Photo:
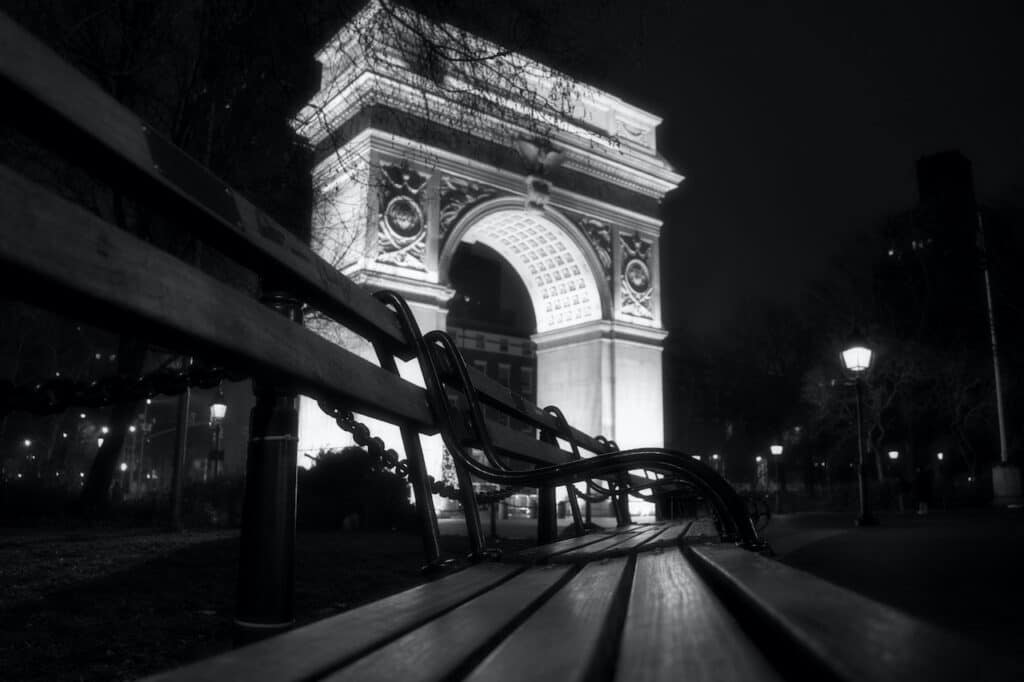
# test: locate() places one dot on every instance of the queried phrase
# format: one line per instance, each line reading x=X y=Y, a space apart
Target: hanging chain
x=60 y=393
x=386 y=459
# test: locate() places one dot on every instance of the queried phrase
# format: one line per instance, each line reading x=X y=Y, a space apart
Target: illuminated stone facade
x=407 y=184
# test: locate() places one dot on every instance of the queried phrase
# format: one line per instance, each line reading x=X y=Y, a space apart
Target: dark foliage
x=345 y=491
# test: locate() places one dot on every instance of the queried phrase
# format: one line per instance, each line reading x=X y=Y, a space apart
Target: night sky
x=798 y=126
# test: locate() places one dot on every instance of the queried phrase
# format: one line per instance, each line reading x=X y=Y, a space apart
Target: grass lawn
x=117 y=605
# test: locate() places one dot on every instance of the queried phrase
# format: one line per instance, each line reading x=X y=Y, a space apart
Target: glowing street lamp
x=218 y=410
x=857 y=360
x=939 y=456
x=776 y=451
x=895 y=455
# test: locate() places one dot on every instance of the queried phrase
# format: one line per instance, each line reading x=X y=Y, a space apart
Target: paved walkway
x=962 y=570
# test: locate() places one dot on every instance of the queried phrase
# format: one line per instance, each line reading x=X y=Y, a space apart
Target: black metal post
x=866 y=518
x=778 y=486
x=178 y=472
x=547 y=518
x=266 y=576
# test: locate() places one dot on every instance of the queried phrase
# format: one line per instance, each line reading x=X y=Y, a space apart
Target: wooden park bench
x=692 y=601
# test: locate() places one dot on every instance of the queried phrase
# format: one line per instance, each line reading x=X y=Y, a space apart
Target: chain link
x=384 y=458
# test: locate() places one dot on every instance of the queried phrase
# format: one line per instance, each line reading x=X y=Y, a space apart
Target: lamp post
x=857 y=359
x=218 y=410
x=776 y=451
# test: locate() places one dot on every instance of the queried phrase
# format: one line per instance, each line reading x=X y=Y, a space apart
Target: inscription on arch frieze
x=637 y=283
x=401 y=226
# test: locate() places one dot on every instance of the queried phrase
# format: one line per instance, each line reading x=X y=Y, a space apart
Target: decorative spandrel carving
x=401 y=228
x=637 y=283
x=458 y=196
x=599 y=235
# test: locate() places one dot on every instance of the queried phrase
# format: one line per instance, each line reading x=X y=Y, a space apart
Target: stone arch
x=562 y=274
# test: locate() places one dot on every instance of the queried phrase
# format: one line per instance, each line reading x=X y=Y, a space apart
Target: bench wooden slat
x=434 y=651
x=677 y=630
x=140 y=287
x=601 y=549
x=323 y=646
x=639 y=542
x=232 y=222
x=849 y=635
x=596 y=549
x=544 y=551
x=570 y=637
x=671 y=535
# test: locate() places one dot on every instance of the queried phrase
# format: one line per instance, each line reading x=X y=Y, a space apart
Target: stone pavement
x=962 y=570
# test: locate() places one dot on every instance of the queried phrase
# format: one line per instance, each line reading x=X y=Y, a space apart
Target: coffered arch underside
x=560 y=276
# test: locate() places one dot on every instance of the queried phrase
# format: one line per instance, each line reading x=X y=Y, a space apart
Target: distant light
x=58 y=474
x=19 y=475
x=104 y=430
x=714 y=456
x=64 y=434
x=939 y=456
x=82 y=416
x=99 y=442
x=149 y=401
x=81 y=474
x=970 y=478
x=857 y=358
x=28 y=443
x=131 y=429
x=775 y=449
x=98 y=356
x=124 y=466
x=894 y=454
x=217 y=411
x=758 y=458
x=147 y=477
x=56 y=374
x=696 y=457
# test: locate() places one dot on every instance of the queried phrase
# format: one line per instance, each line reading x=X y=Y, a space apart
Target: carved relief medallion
x=637 y=284
x=401 y=229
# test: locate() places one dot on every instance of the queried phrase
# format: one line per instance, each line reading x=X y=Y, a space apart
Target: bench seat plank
x=542 y=552
x=569 y=637
x=589 y=552
x=677 y=629
x=670 y=536
x=638 y=543
x=323 y=646
x=614 y=545
x=436 y=650
x=846 y=634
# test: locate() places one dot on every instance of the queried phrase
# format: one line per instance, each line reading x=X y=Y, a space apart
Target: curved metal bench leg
x=475 y=530
x=574 y=505
x=418 y=478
